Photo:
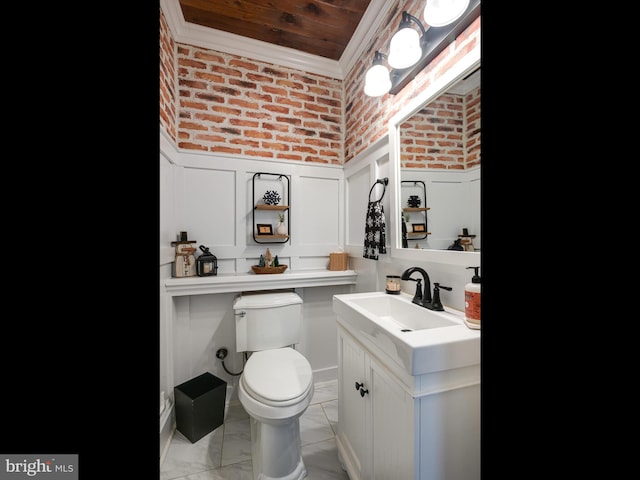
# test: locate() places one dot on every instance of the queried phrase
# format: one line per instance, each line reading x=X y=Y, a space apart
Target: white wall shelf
x=231 y=282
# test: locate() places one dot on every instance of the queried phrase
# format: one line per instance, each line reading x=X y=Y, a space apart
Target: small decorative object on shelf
x=456 y=246
x=207 y=263
x=261 y=270
x=339 y=261
x=407 y=219
x=185 y=262
x=268 y=264
x=264 y=229
x=414 y=201
x=281 y=228
x=271 y=197
x=466 y=240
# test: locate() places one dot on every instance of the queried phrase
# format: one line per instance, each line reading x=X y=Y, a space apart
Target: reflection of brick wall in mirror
x=443 y=135
x=440 y=145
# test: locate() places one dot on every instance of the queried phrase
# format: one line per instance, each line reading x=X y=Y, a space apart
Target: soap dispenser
x=472 y=301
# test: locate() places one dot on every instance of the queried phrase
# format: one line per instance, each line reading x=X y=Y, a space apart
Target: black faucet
x=436 y=304
x=419 y=298
x=425 y=300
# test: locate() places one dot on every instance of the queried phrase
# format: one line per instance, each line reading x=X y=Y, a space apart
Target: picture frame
x=419 y=227
x=264 y=229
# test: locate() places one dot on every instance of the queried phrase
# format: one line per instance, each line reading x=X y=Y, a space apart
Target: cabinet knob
x=360 y=386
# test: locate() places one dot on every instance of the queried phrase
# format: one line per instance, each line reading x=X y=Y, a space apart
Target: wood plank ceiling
x=318 y=27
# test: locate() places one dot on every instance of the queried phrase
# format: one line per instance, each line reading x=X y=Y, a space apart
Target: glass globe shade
x=377 y=81
x=404 y=49
x=438 y=13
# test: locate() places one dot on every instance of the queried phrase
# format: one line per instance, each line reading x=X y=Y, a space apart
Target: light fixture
x=438 y=13
x=409 y=52
x=405 y=49
x=377 y=81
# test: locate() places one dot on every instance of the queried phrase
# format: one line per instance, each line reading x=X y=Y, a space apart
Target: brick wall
x=239 y=106
x=444 y=135
x=167 y=80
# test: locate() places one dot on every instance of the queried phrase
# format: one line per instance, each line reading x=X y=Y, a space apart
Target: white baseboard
x=167 y=427
x=325 y=374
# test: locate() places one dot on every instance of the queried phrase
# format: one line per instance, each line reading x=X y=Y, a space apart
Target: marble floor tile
x=225 y=454
x=184 y=458
x=321 y=460
x=325 y=391
x=235 y=411
x=331 y=411
x=236 y=446
x=314 y=426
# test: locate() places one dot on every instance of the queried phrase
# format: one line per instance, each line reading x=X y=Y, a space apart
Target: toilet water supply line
x=222 y=354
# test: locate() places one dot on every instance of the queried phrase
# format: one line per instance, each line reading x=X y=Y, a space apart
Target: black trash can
x=200 y=405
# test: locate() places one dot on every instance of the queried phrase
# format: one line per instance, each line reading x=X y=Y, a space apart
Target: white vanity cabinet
x=404 y=427
x=375 y=430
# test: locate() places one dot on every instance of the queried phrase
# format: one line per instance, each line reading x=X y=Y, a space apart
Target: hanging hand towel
x=374 y=231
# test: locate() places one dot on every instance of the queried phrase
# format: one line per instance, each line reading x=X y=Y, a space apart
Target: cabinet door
x=393 y=431
x=353 y=444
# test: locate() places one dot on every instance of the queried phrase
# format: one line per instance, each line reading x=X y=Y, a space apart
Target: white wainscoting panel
x=209 y=210
x=317 y=211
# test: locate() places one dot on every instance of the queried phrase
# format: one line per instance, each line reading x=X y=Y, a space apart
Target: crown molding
x=209 y=38
x=367 y=28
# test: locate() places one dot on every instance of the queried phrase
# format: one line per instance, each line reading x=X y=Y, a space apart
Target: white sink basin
x=406 y=316
x=419 y=340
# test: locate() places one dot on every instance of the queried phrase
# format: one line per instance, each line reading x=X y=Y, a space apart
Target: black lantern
x=207 y=263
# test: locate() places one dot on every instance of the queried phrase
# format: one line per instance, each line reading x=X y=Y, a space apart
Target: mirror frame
x=464 y=66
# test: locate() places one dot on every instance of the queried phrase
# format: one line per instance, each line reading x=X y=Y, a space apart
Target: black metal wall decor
x=262 y=232
x=420 y=230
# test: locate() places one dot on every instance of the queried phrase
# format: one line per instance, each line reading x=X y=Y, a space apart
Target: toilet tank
x=267 y=320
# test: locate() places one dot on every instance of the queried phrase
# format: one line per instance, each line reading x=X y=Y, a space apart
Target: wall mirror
x=435 y=172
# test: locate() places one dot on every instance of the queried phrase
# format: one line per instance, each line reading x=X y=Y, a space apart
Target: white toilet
x=276 y=385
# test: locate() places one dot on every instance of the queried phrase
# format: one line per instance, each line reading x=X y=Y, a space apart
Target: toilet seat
x=278 y=377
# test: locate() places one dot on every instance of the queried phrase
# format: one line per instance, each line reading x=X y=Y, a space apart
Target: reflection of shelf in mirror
x=272 y=236
x=415 y=209
x=272 y=207
x=417 y=234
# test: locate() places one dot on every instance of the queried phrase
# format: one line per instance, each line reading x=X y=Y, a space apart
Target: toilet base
x=276 y=451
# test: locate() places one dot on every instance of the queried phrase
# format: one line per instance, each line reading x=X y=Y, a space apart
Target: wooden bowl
x=260 y=270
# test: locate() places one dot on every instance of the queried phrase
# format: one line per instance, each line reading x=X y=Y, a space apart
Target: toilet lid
x=278 y=375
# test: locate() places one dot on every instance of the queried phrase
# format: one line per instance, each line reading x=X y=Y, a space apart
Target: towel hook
x=384 y=181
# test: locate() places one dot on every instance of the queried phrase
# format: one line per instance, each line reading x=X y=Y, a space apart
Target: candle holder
x=393 y=284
